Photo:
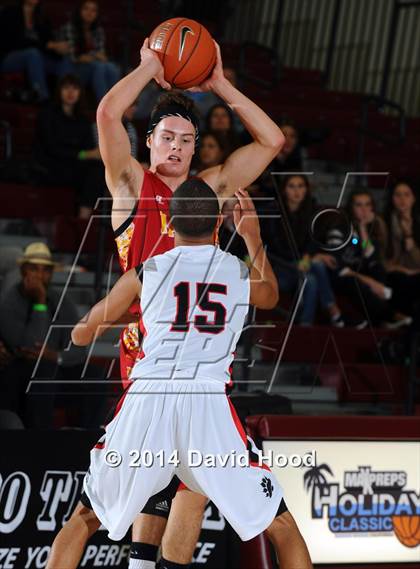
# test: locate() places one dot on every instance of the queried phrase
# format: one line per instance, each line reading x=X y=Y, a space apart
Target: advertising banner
x=354 y=501
x=41 y=477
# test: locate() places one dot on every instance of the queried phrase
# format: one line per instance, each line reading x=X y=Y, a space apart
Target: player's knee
x=148 y=528
x=194 y=502
x=85 y=518
x=197 y=500
x=283 y=528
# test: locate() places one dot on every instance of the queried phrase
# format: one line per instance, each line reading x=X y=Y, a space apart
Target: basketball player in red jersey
x=140 y=213
x=172 y=136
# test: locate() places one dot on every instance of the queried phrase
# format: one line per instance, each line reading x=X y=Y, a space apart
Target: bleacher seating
x=71 y=233
x=347 y=363
x=22 y=201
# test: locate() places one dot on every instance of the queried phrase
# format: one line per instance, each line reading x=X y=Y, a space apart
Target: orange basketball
x=186 y=50
x=407 y=529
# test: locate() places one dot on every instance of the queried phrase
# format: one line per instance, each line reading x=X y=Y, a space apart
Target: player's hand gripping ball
x=186 y=50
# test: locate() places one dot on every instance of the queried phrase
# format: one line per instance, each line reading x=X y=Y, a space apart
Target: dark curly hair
x=71 y=79
x=375 y=228
x=80 y=40
x=220 y=141
x=390 y=208
x=300 y=220
x=194 y=209
x=175 y=97
x=211 y=111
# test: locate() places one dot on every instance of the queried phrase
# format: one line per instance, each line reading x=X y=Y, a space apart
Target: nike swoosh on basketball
x=182 y=37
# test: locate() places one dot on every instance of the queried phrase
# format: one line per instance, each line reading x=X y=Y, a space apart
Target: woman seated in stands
x=204 y=101
x=402 y=216
x=361 y=274
x=64 y=146
x=86 y=38
x=288 y=160
x=293 y=254
x=290 y=157
x=27 y=45
x=212 y=151
x=220 y=119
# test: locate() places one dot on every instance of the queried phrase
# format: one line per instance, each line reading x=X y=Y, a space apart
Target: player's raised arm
x=264 y=287
x=114 y=143
x=108 y=310
x=245 y=164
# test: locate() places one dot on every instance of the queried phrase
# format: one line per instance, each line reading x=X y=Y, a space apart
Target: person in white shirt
x=194 y=301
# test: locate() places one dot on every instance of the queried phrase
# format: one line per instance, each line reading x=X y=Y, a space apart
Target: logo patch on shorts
x=163 y=506
x=267 y=487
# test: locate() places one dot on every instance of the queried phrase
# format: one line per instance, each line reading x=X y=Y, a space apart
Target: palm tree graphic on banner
x=315 y=479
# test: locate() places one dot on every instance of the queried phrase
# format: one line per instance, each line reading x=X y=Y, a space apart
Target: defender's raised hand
x=245 y=216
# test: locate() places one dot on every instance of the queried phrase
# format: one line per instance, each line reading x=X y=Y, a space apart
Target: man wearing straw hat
x=27 y=311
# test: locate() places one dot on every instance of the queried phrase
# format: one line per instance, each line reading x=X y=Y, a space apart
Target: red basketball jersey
x=144 y=234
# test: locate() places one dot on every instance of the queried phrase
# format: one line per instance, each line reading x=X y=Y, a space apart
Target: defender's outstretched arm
x=108 y=310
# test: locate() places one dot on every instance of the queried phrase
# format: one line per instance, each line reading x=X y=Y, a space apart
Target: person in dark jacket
x=38 y=350
x=220 y=119
x=212 y=151
x=65 y=146
x=289 y=159
x=402 y=216
x=294 y=255
x=360 y=273
x=86 y=38
x=27 y=45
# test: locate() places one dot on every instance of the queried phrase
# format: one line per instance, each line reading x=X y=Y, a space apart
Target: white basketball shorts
x=183 y=428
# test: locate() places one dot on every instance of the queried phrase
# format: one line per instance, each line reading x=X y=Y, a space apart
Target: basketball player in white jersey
x=171 y=136
x=194 y=301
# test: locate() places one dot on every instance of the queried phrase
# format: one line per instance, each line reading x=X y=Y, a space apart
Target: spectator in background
x=288 y=160
x=27 y=45
x=360 y=273
x=211 y=153
x=294 y=255
x=65 y=148
x=205 y=100
x=220 y=119
x=86 y=38
x=290 y=157
x=370 y=232
x=26 y=315
x=402 y=217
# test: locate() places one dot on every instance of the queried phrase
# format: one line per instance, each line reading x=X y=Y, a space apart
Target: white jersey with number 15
x=194 y=302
